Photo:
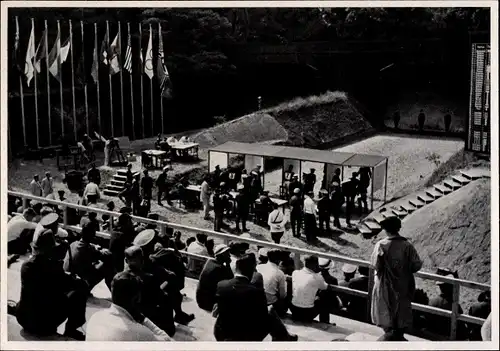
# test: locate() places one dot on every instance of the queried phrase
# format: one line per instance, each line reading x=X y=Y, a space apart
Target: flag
x=148 y=65
x=15 y=55
x=95 y=62
x=58 y=52
x=161 y=68
x=104 y=48
x=40 y=51
x=128 y=53
x=81 y=71
x=29 y=69
x=113 y=54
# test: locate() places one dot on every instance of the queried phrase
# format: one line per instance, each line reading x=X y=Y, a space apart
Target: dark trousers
x=296 y=222
x=336 y=216
x=163 y=316
x=136 y=204
x=349 y=208
x=241 y=217
x=218 y=221
x=276 y=236
x=324 y=218
x=307 y=315
x=362 y=201
x=280 y=307
x=103 y=270
x=92 y=199
x=310 y=226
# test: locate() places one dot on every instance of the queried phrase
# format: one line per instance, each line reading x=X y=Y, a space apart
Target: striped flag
x=161 y=68
x=128 y=53
x=148 y=65
x=29 y=69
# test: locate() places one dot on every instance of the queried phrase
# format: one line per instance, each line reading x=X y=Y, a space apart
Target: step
x=123 y=172
x=110 y=192
x=372 y=225
x=377 y=217
x=119 y=183
x=443 y=189
x=120 y=177
x=388 y=214
x=408 y=207
x=113 y=188
x=461 y=179
x=425 y=198
x=417 y=203
x=399 y=213
x=450 y=183
x=363 y=229
x=474 y=174
x=433 y=193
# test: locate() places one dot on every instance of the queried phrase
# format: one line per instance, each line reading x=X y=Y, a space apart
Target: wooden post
x=373 y=173
x=454 y=311
x=371 y=280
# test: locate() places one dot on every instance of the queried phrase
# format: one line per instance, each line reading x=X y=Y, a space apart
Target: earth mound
x=310 y=122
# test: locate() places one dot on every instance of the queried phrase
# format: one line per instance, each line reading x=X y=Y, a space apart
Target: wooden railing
x=454 y=314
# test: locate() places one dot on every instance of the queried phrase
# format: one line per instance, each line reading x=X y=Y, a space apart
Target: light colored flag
x=104 y=48
x=148 y=65
x=95 y=64
x=114 y=57
x=128 y=53
x=58 y=52
x=40 y=51
x=29 y=68
x=161 y=67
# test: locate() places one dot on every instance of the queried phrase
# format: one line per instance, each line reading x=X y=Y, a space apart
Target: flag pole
x=60 y=77
x=121 y=75
x=110 y=84
x=151 y=86
x=142 y=79
x=131 y=85
x=161 y=92
x=36 y=99
x=72 y=78
x=85 y=85
x=21 y=89
x=98 y=91
x=48 y=79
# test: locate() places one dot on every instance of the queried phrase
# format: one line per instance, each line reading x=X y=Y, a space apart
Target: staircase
x=117 y=183
x=370 y=226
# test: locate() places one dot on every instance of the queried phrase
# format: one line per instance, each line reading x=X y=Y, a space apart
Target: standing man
x=242 y=209
x=421 y=120
x=130 y=175
x=350 y=190
x=94 y=175
x=365 y=176
x=135 y=193
x=336 y=177
x=310 y=216
x=91 y=192
x=219 y=207
x=47 y=185
x=309 y=181
x=147 y=185
x=205 y=198
x=324 y=208
x=336 y=202
x=35 y=186
x=296 y=207
x=161 y=184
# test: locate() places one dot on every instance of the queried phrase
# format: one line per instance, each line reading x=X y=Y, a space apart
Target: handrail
x=457 y=283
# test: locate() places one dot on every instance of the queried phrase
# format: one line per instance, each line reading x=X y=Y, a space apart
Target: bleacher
x=201 y=328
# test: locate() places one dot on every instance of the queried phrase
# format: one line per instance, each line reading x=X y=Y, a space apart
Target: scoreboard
x=478 y=127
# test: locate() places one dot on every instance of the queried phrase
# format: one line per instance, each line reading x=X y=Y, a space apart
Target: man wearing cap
x=121 y=237
x=324 y=208
x=49 y=296
x=357 y=305
x=306 y=302
x=51 y=221
x=294 y=184
x=215 y=270
x=394 y=284
x=147 y=241
x=20 y=231
x=350 y=190
x=325 y=265
x=242 y=209
x=197 y=247
x=161 y=184
x=274 y=282
x=309 y=180
x=87 y=260
x=336 y=202
x=296 y=208
x=310 y=216
x=349 y=272
x=47 y=185
x=36 y=186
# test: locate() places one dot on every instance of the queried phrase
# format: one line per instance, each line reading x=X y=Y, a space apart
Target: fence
x=454 y=314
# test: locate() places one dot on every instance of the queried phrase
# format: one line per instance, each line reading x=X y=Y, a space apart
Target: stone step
x=461 y=179
x=123 y=172
x=417 y=203
x=408 y=207
x=450 y=183
x=110 y=192
x=372 y=225
x=474 y=174
x=114 y=187
x=425 y=198
x=120 y=183
x=120 y=177
x=363 y=229
x=433 y=193
x=378 y=216
x=400 y=214
x=443 y=189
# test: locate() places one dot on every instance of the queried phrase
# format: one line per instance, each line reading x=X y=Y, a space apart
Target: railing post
x=296 y=260
x=25 y=203
x=110 y=226
x=454 y=311
x=371 y=280
x=163 y=230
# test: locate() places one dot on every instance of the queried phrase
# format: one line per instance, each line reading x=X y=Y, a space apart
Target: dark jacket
x=296 y=205
x=172 y=261
x=147 y=186
x=120 y=239
x=161 y=181
x=213 y=272
x=242 y=308
x=324 y=206
x=243 y=204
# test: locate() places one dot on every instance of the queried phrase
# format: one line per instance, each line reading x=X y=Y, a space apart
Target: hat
x=296 y=190
x=44 y=240
x=263 y=252
x=324 y=263
x=49 y=219
x=349 y=268
x=166 y=168
x=391 y=223
x=144 y=238
x=220 y=249
x=254 y=173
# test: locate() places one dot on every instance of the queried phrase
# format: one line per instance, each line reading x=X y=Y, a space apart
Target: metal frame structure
x=340 y=159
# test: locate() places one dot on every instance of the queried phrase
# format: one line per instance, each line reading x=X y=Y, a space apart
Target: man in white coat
x=205 y=198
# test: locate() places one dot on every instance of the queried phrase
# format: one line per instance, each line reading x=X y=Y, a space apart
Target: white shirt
x=205 y=191
x=276 y=221
x=116 y=324
x=61 y=233
x=17 y=225
x=47 y=186
x=35 y=188
x=91 y=189
x=274 y=281
x=305 y=284
x=309 y=206
x=199 y=249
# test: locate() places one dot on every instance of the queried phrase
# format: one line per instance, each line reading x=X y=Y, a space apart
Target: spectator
x=215 y=270
x=195 y=265
x=20 y=231
x=123 y=321
x=276 y=222
x=262 y=256
x=49 y=296
x=395 y=261
x=480 y=309
x=205 y=198
x=90 y=218
x=94 y=175
x=357 y=307
x=88 y=261
x=210 y=244
x=306 y=302
x=242 y=209
x=274 y=282
x=189 y=241
x=310 y=217
x=296 y=208
x=50 y=220
x=121 y=238
x=108 y=222
x=47 y=185
x=178 y=243
x=242 y=313
x=325 y=265
x=36 y=186
x=92 y=193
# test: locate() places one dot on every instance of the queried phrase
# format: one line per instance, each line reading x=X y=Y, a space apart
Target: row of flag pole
x=110 y=54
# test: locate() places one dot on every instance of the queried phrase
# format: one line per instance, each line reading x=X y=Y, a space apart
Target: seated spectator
x=349 y=272
x=190 y=240
x=210 y=245
x=121 y=237
x=87 y=260
x=237 y=250
x=51 y=221
x=37 y=207
x=357 y=307
x=242 y=313
x=306 y=302
x=92 y=193
x=480 y=309
x=274 y=282
x=19 y=206
x=325 y=266
x=287 y=264
x=49 y=296
x=20 y=230
x=262 y=256
x=197 y=247
x=90 y=218
x=215 y=270
x=123 y=320
x=107 y=221
x=178 y=243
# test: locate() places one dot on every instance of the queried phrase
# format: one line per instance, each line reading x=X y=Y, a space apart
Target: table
x=278 y=201
x=157 y=157
x=186 y=149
